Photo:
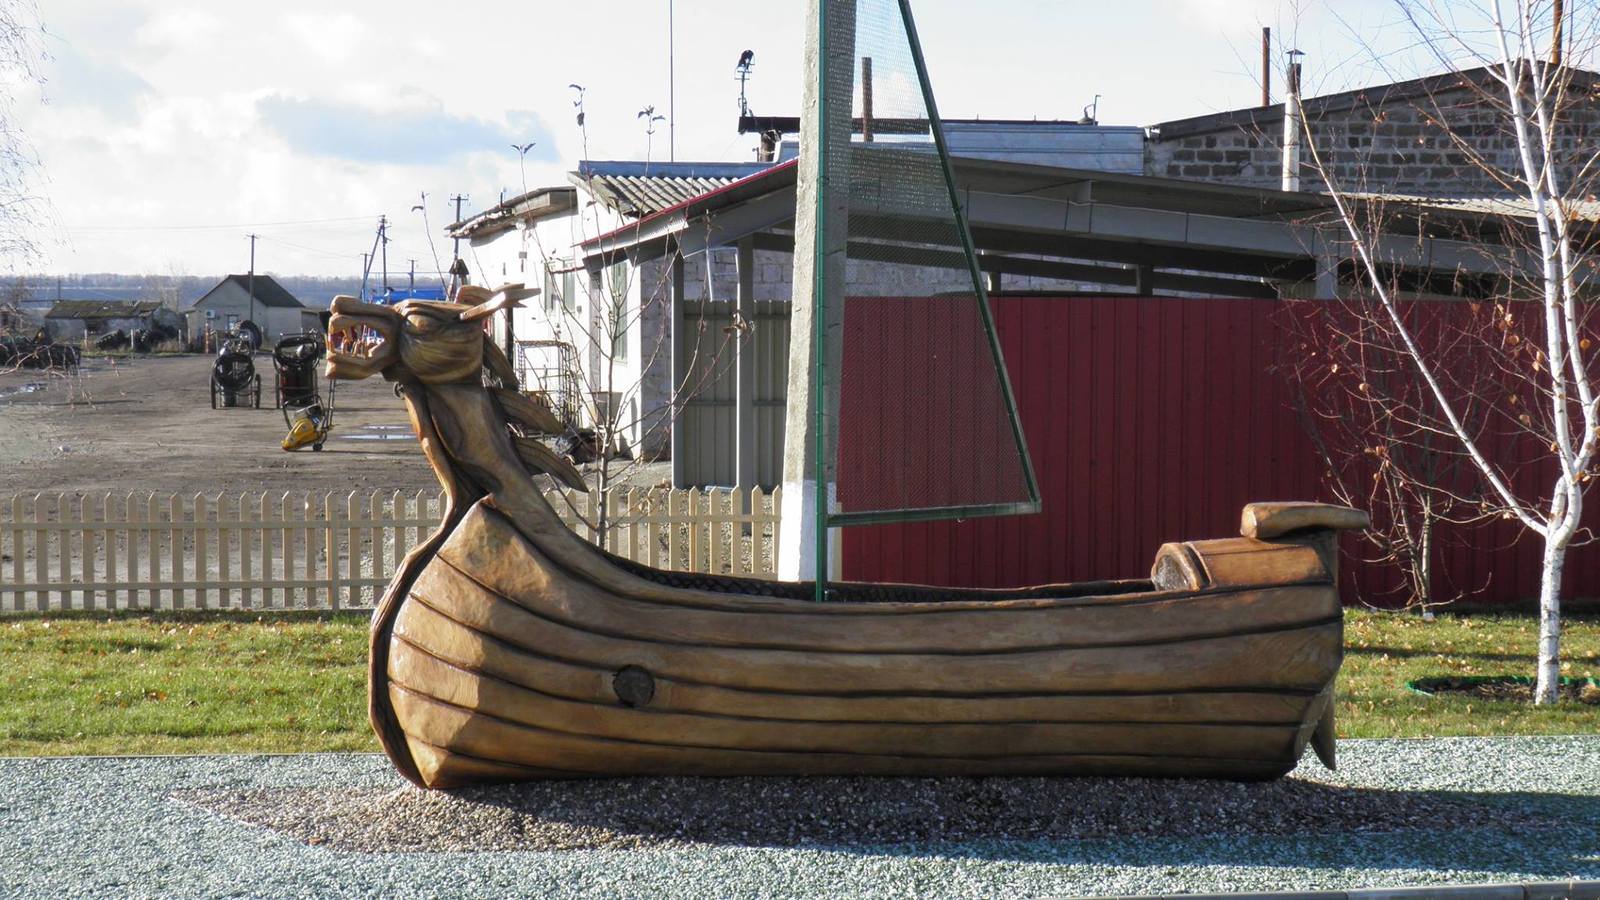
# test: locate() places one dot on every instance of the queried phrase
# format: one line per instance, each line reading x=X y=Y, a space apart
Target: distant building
x=273 y=309
x=76 y=320
x=15 y=320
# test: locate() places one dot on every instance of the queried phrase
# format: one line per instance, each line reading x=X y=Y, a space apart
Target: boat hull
x=503 y=665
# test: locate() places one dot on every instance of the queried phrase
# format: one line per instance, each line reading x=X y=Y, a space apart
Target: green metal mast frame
x=825 y=518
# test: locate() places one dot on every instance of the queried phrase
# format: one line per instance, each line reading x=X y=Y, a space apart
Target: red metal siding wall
x=1149 y=420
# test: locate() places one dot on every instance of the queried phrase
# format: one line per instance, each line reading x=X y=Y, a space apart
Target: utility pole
x=251 y=282
x=411 y=288
x=455 y=262
x=383 y=240
x=365 y=268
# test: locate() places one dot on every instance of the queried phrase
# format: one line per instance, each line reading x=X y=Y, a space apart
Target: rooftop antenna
x=1091 y=113
x=747 y=61
x=522 y=160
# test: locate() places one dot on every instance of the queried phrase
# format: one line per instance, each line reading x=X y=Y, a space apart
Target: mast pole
x=807 y=548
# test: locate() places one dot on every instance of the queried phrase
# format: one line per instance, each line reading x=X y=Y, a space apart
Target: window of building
x=617 y=304
x=552 y=291
x=560 y=287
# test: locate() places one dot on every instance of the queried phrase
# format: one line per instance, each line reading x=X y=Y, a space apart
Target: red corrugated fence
x=1148 y=420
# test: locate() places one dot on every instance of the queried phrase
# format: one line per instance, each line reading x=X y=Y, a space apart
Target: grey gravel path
x=1398 y=813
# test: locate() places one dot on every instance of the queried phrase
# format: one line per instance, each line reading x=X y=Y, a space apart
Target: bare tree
x=23 y=209
x=1532 y=447
x=618 y=320
x=1361 y=406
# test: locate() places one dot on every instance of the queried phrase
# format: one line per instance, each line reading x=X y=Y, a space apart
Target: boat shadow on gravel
x=1060 y=819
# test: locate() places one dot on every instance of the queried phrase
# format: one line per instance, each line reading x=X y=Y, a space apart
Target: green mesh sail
x=915 y=404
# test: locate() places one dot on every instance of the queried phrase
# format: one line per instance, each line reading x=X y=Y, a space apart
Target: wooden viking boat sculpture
x=508 y=648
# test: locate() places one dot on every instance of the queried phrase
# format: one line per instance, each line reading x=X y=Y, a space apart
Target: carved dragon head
x=433 y=343
x=419 y=340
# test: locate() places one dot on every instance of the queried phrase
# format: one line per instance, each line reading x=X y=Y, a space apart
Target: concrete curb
x=1543 y=890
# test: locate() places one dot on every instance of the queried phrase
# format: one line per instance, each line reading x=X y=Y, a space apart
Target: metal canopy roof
x=531 y=206
x=635 y=188
x=1071 y=223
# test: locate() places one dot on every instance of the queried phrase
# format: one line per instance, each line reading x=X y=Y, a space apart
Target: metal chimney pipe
x=1291 y=128
x=1266 y=67
x=1559 y=16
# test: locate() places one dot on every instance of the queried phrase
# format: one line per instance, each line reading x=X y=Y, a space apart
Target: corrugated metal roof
x=637 y=188
x=635 y=195
x=102 y=309
x=1521 y=207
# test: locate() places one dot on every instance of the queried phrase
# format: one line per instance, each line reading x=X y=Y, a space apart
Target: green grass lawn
x=231 y=684
x=1384 y=650
x=183 y=684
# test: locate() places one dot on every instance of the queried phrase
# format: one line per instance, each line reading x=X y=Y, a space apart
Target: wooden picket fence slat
x=337 y=550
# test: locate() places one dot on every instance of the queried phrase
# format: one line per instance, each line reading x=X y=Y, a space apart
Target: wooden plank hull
x=503 y=664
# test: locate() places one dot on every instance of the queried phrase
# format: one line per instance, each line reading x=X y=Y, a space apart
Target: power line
x=302 y=247
x=283 y=224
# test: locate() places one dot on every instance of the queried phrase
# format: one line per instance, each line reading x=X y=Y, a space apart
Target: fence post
x=714 y=499
x=352 y=572
x=14 y=602
x=329 y=514
x=202 y=541
x=41 y=553
x=285 y=552
x=776 y=519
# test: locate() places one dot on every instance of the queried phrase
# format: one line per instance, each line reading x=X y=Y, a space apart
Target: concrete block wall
x=1422 y=146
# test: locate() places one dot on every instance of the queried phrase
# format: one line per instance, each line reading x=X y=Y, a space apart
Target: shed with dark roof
x=74 y=320
x=259 y=299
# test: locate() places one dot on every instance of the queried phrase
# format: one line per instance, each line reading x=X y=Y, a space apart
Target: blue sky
x=171 y=128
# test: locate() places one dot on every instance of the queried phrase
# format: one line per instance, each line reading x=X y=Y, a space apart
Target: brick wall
x=1405 y=146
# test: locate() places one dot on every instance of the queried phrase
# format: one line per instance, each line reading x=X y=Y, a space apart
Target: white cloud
x=184 y=30
x=189 y=112
x=332 y=37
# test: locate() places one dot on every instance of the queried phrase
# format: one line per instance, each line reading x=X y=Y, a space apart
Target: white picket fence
x=334 y=550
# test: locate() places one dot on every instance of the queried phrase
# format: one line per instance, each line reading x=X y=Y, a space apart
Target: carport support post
x=1327 y=262
x=820 y=240
x=680 y=367
x=1144 y=280
x=745 y=386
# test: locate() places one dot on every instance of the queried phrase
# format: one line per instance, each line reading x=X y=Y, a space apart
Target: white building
x=271 y=308
x=594 y=336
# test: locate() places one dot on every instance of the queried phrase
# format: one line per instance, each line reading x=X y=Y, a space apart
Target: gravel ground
x=1398 y=812
x=794 y=812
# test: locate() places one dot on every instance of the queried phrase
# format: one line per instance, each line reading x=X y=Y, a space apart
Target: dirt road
x=146 y=423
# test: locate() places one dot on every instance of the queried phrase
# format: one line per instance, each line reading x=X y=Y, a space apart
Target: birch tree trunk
x=1548 y=688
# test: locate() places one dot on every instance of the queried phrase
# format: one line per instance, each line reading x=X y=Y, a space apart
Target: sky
x=170 y=130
